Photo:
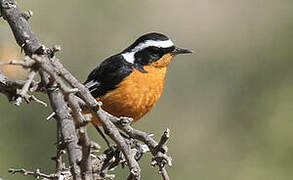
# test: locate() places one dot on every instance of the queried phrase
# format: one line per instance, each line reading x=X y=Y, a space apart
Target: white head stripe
x=129 y=56
x=148 y=43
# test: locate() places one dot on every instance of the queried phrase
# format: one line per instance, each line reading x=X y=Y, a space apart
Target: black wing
x=108 y=75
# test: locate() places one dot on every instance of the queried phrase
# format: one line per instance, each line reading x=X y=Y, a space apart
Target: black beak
x=178 y=50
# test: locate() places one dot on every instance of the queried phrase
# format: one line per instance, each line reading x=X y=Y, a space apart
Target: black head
x=149 y=48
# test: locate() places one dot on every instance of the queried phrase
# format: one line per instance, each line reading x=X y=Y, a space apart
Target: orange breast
x=137 y=93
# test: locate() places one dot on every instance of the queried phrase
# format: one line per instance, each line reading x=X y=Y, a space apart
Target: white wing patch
x=91 y=84
x=129 y=56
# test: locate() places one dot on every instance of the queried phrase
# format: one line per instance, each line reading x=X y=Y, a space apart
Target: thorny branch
x=36 y=174
x=67 y=97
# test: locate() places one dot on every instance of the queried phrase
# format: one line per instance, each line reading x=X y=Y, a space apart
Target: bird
x=131 y=82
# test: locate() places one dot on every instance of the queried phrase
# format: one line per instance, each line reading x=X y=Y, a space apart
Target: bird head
x=152 y=49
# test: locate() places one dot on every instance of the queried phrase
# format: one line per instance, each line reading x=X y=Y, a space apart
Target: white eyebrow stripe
x=148 y=43
x=129 y=56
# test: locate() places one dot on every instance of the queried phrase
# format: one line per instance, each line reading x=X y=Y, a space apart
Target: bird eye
x=148 y=55
x=154 y=51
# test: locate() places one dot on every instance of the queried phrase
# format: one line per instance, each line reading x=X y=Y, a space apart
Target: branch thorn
x=27 y=14
x=51 y=116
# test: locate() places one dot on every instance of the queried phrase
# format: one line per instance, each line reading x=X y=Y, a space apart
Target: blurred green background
x=229 y=105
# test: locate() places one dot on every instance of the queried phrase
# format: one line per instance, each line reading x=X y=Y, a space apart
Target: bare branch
x=11 y=87
x=24 y=91
x=84 y=141
x=26 y=63
x=36 y=174
x=20 y=27
x=63 y=89
x=33 y=98
x=158 y=150
x=109 y=127
x=67 y=127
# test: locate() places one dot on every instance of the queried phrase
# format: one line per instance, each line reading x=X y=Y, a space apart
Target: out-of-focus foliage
x=229 y=105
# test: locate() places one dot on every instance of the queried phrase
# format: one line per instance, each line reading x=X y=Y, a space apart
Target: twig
x=164 y=138
x=51 y=116
x=10 y=89
x=160 y=158
x=24 y=90
x=83 y=92
x=10 y=85
x=113 y=132
x=25 y=64
x=164 y=174
x=47 y=67
x=36 y=174
x=32 y=97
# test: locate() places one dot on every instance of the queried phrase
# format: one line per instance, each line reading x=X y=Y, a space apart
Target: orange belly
x=135 y=95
